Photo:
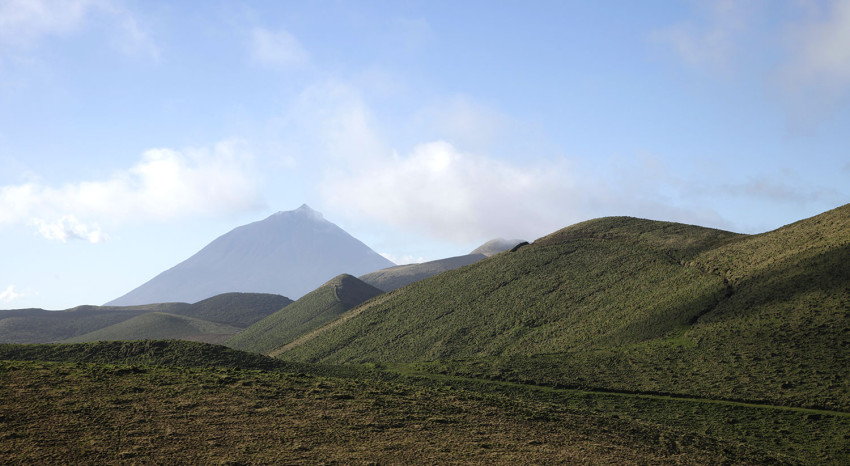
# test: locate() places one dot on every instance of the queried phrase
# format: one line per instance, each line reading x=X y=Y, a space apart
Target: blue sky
x=132 y=133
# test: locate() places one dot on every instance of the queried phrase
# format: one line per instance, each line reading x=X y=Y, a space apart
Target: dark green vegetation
x=142 y=353
x=631 y=305
x=152 y=401
x=313 y=310
x=88 y=323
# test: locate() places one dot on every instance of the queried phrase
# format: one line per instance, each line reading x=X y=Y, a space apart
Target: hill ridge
x=615 y=301
x=312 y=310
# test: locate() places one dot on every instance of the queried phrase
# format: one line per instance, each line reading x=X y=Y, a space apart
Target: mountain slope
x=395 y=277
x=311 y=311
x=288 y=253
x=159 y=326
x=634 y=305
x=495 y=246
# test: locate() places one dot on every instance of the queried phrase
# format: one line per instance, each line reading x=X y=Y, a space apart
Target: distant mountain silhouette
x=289 y=253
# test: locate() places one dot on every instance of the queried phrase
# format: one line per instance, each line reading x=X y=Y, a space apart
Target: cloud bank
x=164 y=185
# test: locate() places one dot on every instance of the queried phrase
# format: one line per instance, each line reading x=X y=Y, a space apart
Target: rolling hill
x=289 y=253
x=160 y=326
x=309 y=312
x=630 y=304
x=41 y=326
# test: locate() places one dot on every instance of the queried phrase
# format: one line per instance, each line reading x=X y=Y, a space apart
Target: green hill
x=41 y=326
x=237 y=309
x=630 y=305
x=174 y=353
x=159 y=326
x=311 y=311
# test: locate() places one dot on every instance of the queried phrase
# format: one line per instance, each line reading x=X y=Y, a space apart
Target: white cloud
x=164 y=185
x=25 y=23
x=68 y=227
x=448 y=194
x=816 y=75
x=712 y=40
x=9 y=294
x=278 y=48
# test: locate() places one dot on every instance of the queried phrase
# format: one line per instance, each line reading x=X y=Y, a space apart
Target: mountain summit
x=289 y=253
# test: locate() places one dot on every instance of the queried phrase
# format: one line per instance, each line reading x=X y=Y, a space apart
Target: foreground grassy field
x=149 y=401
x=80 y=412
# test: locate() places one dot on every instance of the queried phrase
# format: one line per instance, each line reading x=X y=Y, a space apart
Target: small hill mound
x=396 y=277
x=158 y=326
x=237 y=309
x=311 y=311
x=147 y=353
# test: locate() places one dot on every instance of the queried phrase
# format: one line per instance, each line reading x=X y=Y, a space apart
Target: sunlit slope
x=781 y=335
x=602 y=283
x=158 y=326
x=311 y=311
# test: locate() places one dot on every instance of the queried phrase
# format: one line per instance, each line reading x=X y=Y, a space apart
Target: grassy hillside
x=311 y=311
x=396 y=277
x=157 y=326
x=173 y=353
x=631 y=305
x=237 y=309
x=547 y=297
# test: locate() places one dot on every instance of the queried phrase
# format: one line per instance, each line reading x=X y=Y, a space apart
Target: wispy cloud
x=9 y=294
x=164 y=185
x=816 y=75
x=276 y=48
x=710 y=40
x=24 y=24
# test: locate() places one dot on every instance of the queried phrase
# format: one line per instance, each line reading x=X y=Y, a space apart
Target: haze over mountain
x=289 y=253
